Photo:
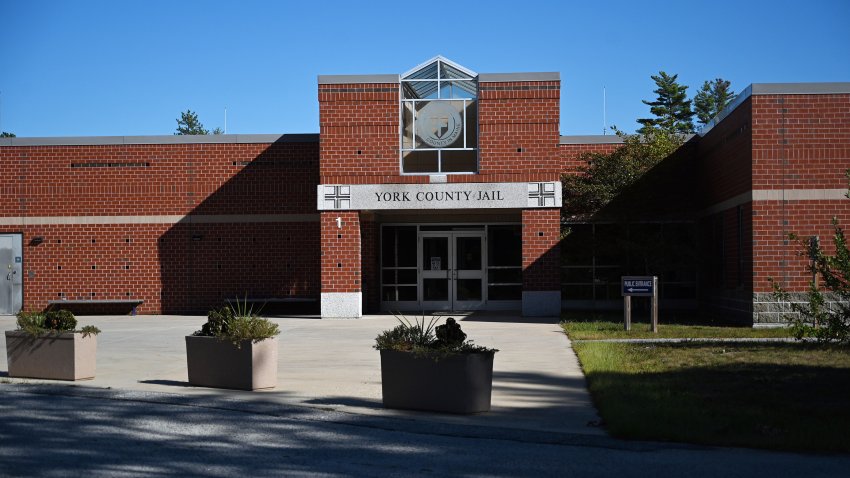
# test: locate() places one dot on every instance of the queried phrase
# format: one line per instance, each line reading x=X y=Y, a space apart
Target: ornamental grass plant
x=425 y=338
x=238 y=322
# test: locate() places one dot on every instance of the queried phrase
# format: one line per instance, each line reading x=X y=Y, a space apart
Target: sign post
x=639 y=286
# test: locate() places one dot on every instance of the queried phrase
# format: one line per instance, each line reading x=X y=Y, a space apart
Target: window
x=596 y=256
x=504 y=262
x=439 y=119
x=398 y=264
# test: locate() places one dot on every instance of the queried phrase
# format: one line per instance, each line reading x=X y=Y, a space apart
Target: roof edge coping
x=525 y=76
x=353 y=79
x=591 y=139
x=161 y=139
x=758 y=89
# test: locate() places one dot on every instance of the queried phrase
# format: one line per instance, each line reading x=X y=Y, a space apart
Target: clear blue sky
x=83 y=68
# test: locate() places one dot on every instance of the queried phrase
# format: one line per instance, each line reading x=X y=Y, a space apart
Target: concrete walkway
x=331 y=365
x=691 y=340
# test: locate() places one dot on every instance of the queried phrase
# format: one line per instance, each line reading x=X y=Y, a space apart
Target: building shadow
x=649 y=229
x=255 y=236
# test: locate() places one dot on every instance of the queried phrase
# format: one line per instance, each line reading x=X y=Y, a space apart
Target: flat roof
x=754 y=89
x=351 y=79
x=161 y=139
x=482 y=78
x=592 y=139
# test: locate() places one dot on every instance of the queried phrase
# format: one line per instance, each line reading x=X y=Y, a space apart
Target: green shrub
x=60 y=320
x=53 y=321
x=237 y=322
x=423 y=339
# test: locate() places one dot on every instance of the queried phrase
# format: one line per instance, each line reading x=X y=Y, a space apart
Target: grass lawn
x=778 y=396
x=610 y=326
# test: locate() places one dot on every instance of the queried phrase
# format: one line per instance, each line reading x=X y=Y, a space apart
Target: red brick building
x=437 y=189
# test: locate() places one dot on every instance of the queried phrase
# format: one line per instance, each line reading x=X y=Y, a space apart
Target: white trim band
x=776 y=195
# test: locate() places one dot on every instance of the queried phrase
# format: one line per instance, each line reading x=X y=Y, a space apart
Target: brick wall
x=799 y=142
x=341 y=270
x=359 y=130
x=519 y=131
x=570 y=155
x=512 y=116
x=776 y=256
x=150 y=257
x=725 y=157
x=541 y=259
x=775 y=146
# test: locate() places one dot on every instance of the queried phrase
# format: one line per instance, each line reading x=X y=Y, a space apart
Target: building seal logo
x=438 y=124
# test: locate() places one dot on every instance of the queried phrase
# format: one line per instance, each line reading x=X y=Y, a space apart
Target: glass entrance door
x=452 y=270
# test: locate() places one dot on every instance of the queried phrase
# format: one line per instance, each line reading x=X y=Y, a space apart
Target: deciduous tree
x=606 y=175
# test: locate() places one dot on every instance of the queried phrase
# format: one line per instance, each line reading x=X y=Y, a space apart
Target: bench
x=134 y=302
x=278 y=300
x=276 y=305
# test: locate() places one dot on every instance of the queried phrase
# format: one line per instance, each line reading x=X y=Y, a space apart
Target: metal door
x=435 y=270
x=452 y=270
x=11 y=280
x=468 y=270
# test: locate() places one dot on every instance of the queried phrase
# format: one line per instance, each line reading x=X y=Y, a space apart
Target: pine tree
x=672 y=108
x=190 y=124
x=713 y=98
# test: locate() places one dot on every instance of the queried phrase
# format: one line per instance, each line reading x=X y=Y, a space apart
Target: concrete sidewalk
x=330 y=364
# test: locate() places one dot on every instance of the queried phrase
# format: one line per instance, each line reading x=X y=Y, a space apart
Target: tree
x=217 y=130
x=5 y=134
x=672 y=108
x=713 y=98
x=822 y=315
x=608 y=175
x=190 y=124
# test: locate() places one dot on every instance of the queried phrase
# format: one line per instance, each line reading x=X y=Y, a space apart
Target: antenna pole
x=604 y=113
x=225 y=120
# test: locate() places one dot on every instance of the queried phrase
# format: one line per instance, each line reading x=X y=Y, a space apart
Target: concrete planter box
x=461 y=383
x=54 y=356
x=217 y=363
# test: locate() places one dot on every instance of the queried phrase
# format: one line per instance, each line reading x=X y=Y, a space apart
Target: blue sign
x=17 y=259
x=640 y=286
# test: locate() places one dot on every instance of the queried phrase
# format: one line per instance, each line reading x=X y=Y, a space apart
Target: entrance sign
x=639 y=286
x=343 y=197
x=436 y=264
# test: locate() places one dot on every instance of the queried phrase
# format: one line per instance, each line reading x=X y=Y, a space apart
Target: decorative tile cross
x=337 y=197
x=541 y=194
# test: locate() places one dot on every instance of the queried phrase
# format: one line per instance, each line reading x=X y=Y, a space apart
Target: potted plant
x=47 y=345
x=434 y=368
x=234 y=349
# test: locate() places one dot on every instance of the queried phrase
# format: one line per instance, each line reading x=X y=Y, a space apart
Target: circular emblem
x=438 y=124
